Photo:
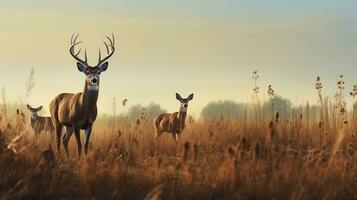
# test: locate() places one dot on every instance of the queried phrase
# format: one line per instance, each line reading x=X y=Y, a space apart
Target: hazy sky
x=206 y=47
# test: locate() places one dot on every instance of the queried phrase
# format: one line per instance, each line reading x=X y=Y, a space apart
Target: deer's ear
x=190 y=97
x=81 y=67
x=178 y=97
x=103 y=67
x=39 y=108
x=28 y=107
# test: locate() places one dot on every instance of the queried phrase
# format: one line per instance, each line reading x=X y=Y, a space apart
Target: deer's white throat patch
x=93 y=87
x=183 y=109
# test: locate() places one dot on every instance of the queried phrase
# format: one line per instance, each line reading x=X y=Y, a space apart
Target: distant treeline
x=223 y=108
x=230 y=109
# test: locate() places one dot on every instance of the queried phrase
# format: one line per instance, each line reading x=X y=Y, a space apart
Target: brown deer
x=79 y=111
x=40 y=124
x=173 y=123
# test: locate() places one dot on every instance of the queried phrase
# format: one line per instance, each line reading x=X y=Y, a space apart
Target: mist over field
x=209 y=48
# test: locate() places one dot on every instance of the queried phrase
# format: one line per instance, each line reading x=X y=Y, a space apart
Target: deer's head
x=184 y=102
x=92 y=73
x=34 y=111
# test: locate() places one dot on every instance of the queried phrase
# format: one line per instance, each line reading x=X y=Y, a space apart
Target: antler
x=111 y=45
x=75 y=55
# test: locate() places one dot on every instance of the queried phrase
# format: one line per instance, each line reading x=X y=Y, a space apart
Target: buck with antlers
x=40 y=124
x=173 y=123
x=79 y=111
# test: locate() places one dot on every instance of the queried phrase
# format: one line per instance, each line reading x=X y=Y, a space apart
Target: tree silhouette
x=225 y=108
x=150 y=112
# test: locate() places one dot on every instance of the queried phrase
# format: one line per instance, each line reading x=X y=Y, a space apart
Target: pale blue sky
x=206 y=47
x=212 y=9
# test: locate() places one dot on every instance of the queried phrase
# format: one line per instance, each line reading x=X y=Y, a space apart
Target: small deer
x=79 y=111
x=173 y=123
x=40 y=124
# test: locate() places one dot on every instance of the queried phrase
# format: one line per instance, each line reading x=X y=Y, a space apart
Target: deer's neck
x=33 y=121
x=89 y=98
x=182 y=118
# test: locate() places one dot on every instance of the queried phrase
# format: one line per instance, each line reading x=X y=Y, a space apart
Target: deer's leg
x=66 y=137
x=58 y=138
x=176 y=137
x=88 y=131
x=78 y=138
x=51 y=138
x=156 y=124
x=158 y=133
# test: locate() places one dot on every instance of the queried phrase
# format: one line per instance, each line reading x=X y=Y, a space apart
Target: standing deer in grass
x=79 y=111
x=39 y=123
x=173 y=123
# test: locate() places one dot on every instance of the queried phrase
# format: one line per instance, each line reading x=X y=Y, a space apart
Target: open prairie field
x=178 y=100
x=238 y=158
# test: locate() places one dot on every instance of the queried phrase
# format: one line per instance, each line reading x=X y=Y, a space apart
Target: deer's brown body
x=40 y=124
x=170 y=122
x=79 y=111
x=75 y=109
x=173 y=123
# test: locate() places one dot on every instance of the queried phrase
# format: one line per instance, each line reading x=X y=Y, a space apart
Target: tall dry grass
x=215 y=159
x=304 y=155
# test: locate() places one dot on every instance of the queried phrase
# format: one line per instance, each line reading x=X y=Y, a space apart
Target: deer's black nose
x=94 y=80
x=185 y=105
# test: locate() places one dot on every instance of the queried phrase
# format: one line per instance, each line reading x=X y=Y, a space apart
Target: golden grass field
x=238 y=158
